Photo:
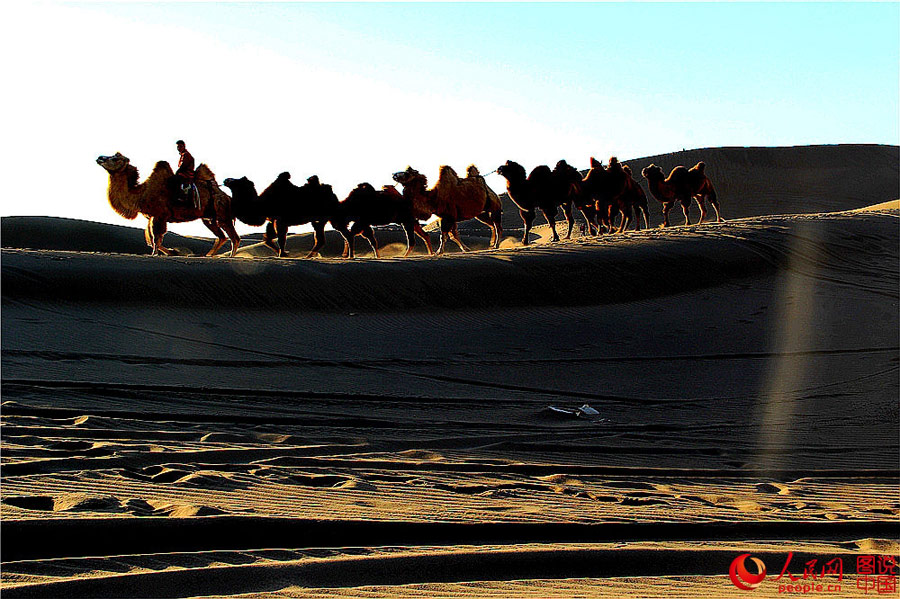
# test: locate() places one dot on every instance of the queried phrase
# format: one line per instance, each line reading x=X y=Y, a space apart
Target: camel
x=608 y=202
x=633 y=194
x=539 y=190
x=670 y=189
x=570 y=186
x=453 y=200
x=282 y=205
x=616 y=192
x=701 y=189
x=365 y=206
x=157 y=200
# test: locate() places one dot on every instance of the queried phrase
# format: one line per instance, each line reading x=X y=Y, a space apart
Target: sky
x=353 y=92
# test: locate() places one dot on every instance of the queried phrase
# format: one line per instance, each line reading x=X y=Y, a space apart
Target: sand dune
x=177 y=427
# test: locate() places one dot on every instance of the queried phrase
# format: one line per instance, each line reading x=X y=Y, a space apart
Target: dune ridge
x=641 y=265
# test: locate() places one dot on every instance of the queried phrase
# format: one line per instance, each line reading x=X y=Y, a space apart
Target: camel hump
x=284 y=176
x=447 y=174
x=392 y=192
x=678 y=174
x=541 y=171
x=595 y=163
x=204 y=173
x=627 y=169
x=160 y=169
x=701 y=167
x=472 y=171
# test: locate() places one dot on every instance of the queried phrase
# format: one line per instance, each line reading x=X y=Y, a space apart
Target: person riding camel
x=185 y=176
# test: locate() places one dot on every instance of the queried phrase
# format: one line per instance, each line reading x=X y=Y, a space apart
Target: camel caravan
x=605 y=195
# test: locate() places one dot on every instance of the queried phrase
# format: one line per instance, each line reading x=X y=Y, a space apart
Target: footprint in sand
x=774 y=488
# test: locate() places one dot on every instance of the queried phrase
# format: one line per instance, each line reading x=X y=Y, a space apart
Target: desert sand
x=186 y=426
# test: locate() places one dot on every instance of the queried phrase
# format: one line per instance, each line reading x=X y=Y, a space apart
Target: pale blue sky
x=353 y=92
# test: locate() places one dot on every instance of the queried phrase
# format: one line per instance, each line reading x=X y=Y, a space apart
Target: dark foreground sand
x=191 y=427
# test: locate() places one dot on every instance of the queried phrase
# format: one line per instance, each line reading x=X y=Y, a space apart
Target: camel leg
x=270 y=236
x=369 y=234
x=497 y=217
x=570 y=219
x=158 y=229
x=349 y=249
x=626 y=219
x=666 y=207
x=340 y=226
x=551 y=220
x=318 y=237
x=410 y=228
x=645 y=211
x=610 y=218
x=424 y=236
x=528 y=217
x=228 y=225
x=702 y=203
x=281 y=229
x=148 y=237
x=715 y=204
x=454 y=235
x=593 y=226
x=213 y=226
x=485 y=217
x=685 y=207
x=590 y=220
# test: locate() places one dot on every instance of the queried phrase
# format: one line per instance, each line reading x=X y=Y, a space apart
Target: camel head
x=511 y=171
x=114 y=163
x=243 y=186
x=410 y=177
x=652 y=173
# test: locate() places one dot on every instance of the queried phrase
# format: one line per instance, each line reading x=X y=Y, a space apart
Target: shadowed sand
x=178 y=427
